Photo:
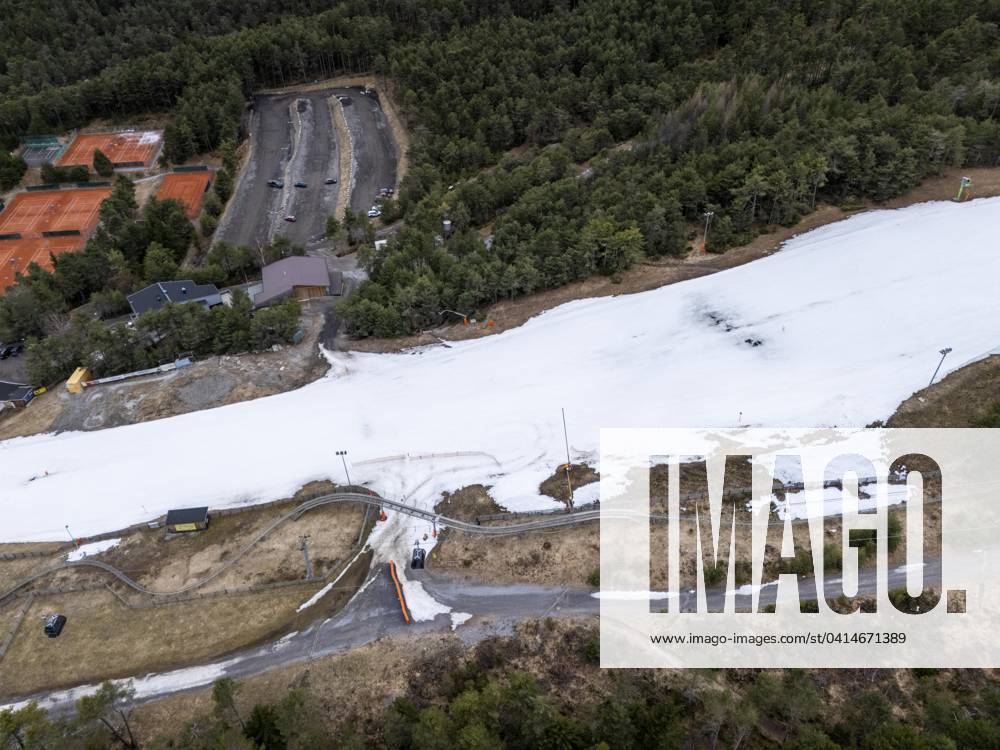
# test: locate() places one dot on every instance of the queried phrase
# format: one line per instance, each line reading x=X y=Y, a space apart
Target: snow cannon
x=964 y=190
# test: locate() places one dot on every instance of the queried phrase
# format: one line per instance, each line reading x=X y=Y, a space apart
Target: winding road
x=374 y=613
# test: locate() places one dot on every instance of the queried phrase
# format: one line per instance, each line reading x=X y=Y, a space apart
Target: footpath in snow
x=836 y=329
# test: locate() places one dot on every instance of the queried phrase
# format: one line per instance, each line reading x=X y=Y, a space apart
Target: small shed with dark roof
x=187 y=519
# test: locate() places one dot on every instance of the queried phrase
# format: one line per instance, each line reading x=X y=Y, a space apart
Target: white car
x=374 y=212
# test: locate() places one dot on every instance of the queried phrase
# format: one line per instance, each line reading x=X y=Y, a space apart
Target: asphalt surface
x=374 y=613
x=374 y=148
x=294 y=139
x=12 y=369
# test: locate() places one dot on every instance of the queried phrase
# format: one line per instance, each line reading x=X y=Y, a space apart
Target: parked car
x=374 y=212
x=330 y=181
x=8 y=350
x=419 y=555
x=54 y=625
x=18 y=349
x=290 y=219
x=345 y=100
x=276 y=183
x=300 y=184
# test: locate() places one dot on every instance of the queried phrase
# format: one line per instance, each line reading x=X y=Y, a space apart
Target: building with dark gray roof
x=299 y=276
x=157 y=295
x=15 y=395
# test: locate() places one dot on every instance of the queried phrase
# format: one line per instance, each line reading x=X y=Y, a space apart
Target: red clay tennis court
x=17 y=255
x=53 y=211
x=35 y=224
x=136 y=148
x=187 y=187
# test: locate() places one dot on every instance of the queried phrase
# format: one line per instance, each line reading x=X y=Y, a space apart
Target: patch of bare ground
x=14 y=571
x=467 y=503
x=167 y=564
x=19 y=568
x=563 y=557
x=570 y=555
x=103 y=639
x=510 y=314
x=556 y=486
x=957 y=400
x=163 y=563
x=208 y=383
x=113 y=632
x=146 y=188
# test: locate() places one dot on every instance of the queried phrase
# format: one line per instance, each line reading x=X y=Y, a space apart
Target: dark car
x=417 y=561
x=6 y=352
x=18 y=349
x=330 y=181
x=300 y=184
x=276 y=183
x=54 y=625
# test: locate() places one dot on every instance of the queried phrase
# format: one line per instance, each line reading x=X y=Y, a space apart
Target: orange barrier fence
x=399 y=593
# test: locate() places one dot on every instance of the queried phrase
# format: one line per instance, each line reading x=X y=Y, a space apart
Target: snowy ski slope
x=835 y=329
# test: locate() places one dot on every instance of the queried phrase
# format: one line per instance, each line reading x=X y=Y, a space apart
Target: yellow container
x=75 y=383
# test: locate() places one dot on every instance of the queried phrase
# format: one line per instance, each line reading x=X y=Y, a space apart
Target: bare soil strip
x=346 y=157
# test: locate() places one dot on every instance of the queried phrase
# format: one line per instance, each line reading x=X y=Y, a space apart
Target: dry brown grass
x=12 y=571
x=553 y=558
x=954 y=401
x=164 y=564
x=568 y=556
x=556 y=486
x=103 y=639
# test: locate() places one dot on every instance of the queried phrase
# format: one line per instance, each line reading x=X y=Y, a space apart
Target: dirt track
x=294 y=139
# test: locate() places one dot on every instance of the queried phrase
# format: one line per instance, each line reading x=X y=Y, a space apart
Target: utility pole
x=304 y=546
x=569 y=484
x=343 y=459
x=944 y=353
x=708 y=223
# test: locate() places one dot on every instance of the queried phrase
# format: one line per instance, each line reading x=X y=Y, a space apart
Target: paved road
x=294 y=139
x=374 y=149
x=374 y=612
